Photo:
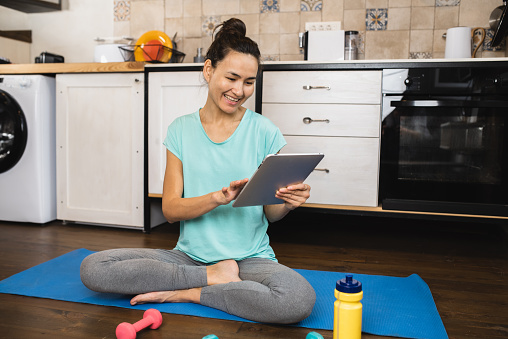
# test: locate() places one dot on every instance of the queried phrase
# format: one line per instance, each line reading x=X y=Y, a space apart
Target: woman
x=223 y=258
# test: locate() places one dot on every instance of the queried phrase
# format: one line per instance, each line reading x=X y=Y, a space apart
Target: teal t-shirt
x=225 y=232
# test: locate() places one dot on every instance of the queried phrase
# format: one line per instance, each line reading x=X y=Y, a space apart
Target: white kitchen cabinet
x=100 y=119
x=347 y=175
x=170 y=95
x=336 y=120
x=319 y=87
x=336 y=113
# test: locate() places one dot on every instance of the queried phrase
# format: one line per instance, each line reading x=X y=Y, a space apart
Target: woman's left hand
x=294 y=195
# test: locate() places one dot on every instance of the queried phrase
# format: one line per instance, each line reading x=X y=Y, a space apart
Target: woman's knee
x=301 y=305
x=297 y=302
x=91 y=271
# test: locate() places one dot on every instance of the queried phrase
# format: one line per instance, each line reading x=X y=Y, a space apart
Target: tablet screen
x=276 y=171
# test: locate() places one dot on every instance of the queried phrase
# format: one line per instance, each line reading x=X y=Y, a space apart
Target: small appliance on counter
x=459 y=42
x=49 y=58
x=113 y=49
x=322 y=45
x=351 y=45
x=499 y=23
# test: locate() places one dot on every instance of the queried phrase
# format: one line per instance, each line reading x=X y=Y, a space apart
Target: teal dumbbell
x=314 y=335
x=211 y=336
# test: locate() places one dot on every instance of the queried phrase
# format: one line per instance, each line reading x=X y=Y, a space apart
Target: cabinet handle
x=308 y=120
x=308 y=88
x=322 y=170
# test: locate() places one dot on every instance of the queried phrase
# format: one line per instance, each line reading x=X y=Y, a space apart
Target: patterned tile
x=441 y=3
x=376 y=19
x=270 y=57
x=266 y=6
x=361 y=42
x=487 y=43
x=122 y=10
x=311 y=5
x=209 y=23
x=420 y=55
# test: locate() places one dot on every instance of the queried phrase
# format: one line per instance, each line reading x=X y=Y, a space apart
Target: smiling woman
x=229 y=86
x=223 y=258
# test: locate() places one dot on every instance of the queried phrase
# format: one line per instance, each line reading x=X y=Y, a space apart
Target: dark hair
x=230 y=36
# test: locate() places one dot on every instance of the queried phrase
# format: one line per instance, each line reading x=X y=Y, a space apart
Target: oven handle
x=449 y=103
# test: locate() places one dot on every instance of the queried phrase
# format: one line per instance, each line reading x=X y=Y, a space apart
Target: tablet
x=276 y=171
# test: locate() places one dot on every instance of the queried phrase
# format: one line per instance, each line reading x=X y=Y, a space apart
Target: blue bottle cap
x=348 y=285
x=314 y=335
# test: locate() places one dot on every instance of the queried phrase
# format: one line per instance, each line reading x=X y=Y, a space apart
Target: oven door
x=445 y=154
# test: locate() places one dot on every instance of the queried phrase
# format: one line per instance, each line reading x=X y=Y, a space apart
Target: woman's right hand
x=228 y=194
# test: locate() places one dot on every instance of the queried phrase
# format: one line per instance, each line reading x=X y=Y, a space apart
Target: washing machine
x=27 y=148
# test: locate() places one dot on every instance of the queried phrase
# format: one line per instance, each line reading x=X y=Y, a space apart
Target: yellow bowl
x=153 y=46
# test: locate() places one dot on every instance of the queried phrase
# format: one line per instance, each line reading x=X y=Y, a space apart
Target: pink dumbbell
x=151 y=317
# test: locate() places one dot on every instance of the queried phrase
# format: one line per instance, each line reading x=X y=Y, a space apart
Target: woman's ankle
x=223 y=272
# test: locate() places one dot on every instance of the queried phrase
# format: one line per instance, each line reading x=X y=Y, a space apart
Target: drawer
x=352 y=164
x=350 y=87
x=326 y=119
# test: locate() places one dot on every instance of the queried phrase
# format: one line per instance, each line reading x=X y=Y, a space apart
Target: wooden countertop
x=92 y=67
x=136 y=66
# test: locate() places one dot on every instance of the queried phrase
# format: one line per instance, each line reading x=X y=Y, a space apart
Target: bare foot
x=192 y=295
x=223 y=272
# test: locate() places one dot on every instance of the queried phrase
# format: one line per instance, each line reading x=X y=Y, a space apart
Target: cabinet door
x=170 y=95
x=347 y=175
x=100 y=148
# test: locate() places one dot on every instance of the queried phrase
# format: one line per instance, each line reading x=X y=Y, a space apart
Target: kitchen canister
x=199 y=55
x=351 y=45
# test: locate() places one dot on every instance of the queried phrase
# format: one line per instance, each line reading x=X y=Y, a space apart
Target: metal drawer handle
x=308 y=120
x=322 y=170
x=308 y=88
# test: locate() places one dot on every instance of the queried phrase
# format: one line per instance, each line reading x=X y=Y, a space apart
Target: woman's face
x=232 y=82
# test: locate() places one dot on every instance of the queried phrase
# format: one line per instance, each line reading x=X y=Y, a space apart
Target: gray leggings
x=269 y=292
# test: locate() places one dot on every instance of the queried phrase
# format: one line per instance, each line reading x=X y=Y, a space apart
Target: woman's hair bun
x=232 y=26
x=231 y=36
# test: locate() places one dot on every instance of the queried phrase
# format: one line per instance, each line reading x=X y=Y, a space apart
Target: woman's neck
x=211 y=114
x=219 y=125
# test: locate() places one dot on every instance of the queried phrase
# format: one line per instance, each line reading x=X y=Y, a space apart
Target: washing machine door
x=13 y=132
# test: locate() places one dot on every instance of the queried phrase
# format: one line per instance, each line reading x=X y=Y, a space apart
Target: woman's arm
x=176 y=208
x=293 y=196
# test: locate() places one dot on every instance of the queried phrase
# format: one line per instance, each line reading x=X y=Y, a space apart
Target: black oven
x=444 y=140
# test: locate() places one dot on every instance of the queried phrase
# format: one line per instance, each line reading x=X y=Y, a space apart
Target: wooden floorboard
x=464 y=264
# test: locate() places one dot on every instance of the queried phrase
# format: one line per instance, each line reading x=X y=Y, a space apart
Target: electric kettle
x=459 y=42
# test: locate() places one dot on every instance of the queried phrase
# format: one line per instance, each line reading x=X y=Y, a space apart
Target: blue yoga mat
x=400 y=307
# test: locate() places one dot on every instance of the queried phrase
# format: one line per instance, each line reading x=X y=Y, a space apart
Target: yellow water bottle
x=347 y=309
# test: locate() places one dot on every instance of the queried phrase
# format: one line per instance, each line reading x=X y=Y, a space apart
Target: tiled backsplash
x=389 y=29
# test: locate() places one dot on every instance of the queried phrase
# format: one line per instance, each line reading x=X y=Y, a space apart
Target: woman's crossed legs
x=256 y=289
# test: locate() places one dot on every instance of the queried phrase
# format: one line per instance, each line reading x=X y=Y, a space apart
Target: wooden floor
x=464 y=264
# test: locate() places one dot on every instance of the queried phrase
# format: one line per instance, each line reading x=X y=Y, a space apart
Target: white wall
x=70 y=32
x=15 y=51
